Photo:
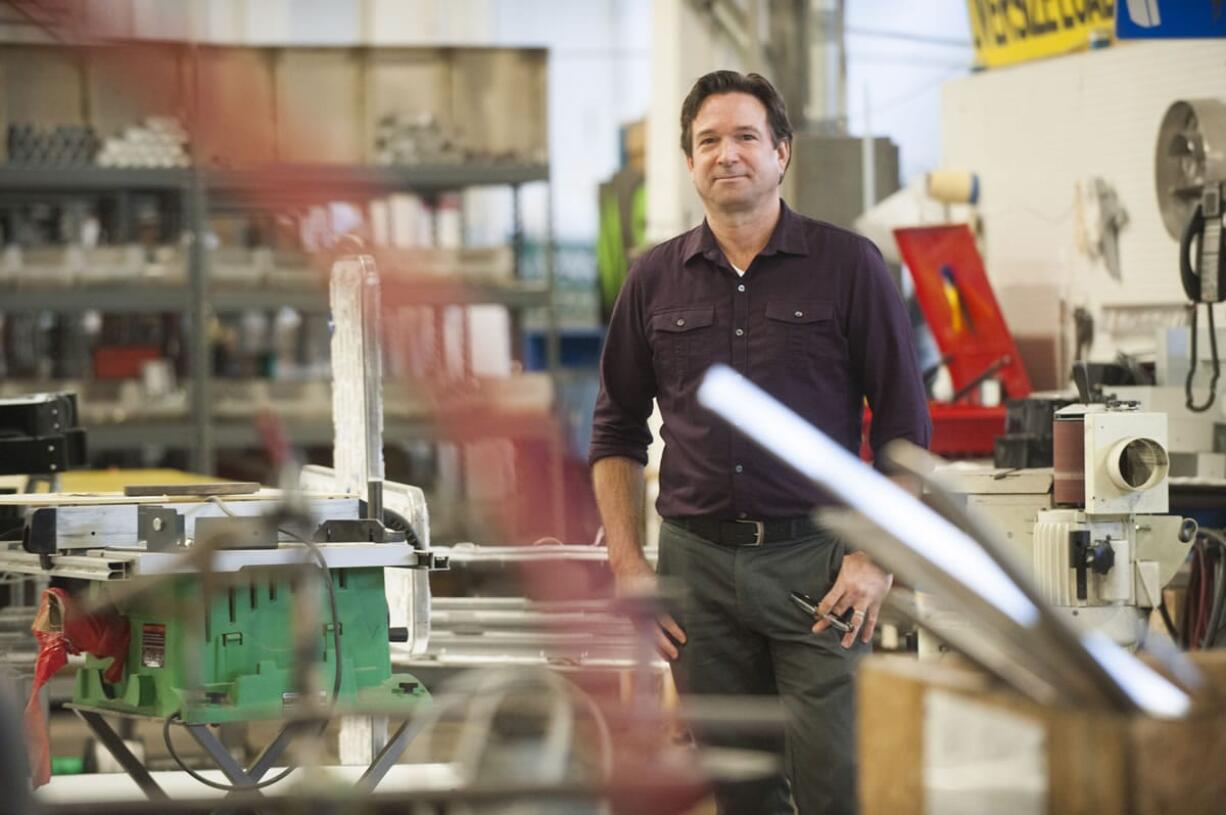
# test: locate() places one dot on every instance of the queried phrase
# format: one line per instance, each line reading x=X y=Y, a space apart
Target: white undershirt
x=739 y=271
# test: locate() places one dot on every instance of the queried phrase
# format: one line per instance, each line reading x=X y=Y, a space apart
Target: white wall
x=684 y=46
x=899 y=53
x=1032 y=132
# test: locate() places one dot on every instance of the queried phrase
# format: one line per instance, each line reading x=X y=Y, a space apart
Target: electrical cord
x=1217 y=608
x=336 y=626
x=318 y=554
x=1202 y=594
x=258 y=785
x=1171 y=630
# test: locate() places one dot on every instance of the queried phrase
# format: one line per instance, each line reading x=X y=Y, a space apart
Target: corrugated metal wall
x=1032 y=132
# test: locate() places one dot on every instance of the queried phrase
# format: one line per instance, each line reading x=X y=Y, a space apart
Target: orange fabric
x=62 y=630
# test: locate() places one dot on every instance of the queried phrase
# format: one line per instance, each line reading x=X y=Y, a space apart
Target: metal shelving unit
x=156 y=298
x=200 y=191
x=315 y=433
x=318 y=181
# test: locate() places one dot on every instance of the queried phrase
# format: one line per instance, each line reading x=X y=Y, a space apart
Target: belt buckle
x=759 y=532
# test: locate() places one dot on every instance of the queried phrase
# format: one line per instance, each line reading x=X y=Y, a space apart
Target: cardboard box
x=940 y=737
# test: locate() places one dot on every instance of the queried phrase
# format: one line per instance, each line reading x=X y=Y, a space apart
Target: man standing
x=808 y=312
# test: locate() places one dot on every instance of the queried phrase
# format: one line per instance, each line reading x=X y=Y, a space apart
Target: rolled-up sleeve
x=883 y=353
x=627 y=378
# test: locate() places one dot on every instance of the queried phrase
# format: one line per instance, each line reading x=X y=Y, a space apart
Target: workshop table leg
x=225 y=762
x=389 y=755
x=115 y=745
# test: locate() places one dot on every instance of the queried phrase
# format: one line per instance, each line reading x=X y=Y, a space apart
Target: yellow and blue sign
x=1170 y=19
x=1011 y=31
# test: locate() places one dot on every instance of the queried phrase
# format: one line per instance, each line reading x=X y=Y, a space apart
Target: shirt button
x=740 y=332
x=741 y=287
x=682 y=322
x=800 y=314
x=739 y=468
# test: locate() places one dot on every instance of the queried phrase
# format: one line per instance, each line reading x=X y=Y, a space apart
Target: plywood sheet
x=407 y=82
x=128 y=83
x=44 y=86
x=320 y=106
x=500 y=99
x=1097 y=763
x=237 y=121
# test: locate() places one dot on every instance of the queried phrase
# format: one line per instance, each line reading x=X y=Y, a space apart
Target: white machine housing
x=1126 y=492
x=1134 y=549
x=1126 y=462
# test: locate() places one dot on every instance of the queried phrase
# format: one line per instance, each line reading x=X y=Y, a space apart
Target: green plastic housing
x=225 y=652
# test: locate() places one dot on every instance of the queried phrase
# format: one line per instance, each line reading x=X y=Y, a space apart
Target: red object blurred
x=966 y=321
x=965 y=430
x=953 y=290
x=958 y=431
x=61 y=629
x=123 y=361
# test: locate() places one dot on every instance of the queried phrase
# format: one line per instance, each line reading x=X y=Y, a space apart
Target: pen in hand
x=806 y=604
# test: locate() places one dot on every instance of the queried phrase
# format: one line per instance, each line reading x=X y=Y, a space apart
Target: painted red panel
x=957 y=299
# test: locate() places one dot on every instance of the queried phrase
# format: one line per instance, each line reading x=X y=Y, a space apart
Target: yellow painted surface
x=114 y=480
x=1006 y=32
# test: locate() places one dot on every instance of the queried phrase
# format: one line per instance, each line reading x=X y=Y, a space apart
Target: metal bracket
x=130 y=763
x=161 y=528
x=354 y=530
x=433 y=561
x=246 y=532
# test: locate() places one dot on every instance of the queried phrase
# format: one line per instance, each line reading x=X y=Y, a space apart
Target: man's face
x=734 y=163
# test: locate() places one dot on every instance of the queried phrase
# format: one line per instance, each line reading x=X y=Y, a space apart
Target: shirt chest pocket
x=804 y=329
x=682 y=341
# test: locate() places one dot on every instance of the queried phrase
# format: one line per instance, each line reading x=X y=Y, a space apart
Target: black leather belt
x=748 y=533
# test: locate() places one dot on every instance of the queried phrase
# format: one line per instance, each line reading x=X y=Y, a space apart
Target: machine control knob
x=1101 y=557
x=1086 y=555
x=1188 y=530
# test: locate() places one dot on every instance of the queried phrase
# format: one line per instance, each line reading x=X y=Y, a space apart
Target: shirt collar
x=788 y=238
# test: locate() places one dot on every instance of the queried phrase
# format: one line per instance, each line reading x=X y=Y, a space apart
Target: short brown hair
x=718 y=82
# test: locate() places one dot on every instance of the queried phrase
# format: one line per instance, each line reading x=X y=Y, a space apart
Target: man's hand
x=861 y=586
x=637 y=579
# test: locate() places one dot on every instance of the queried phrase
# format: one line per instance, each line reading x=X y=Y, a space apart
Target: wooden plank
x=190 y=490
x=43 y=86
x=890 y=722
x=236 y=125
x=500 y=96
x=1178 y=766
x=126 y=84
x=114 y=480
x=319 y=111
x=405 y=82
x=1096 y=763
x=64 y=499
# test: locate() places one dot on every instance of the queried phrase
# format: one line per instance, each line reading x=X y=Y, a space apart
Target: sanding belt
x=62 y=629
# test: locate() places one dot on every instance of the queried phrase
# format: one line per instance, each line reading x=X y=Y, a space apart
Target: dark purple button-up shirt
x=816 y=322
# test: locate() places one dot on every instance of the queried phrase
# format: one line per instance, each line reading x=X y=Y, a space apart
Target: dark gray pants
x=743 y=636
